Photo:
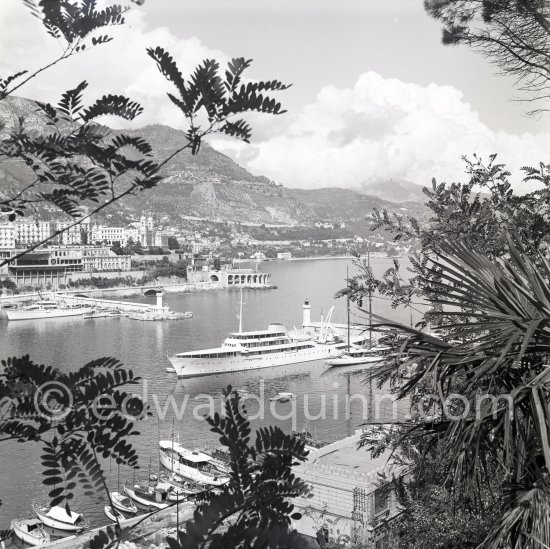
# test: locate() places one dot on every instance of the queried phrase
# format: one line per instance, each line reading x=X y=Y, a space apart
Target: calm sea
x=321 y=393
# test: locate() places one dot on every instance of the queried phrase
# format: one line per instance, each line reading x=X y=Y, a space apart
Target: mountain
x=342 y=204
x=212 y=186
x=395 y=190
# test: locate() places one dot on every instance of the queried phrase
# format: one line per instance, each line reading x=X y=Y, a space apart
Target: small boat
x=180 y=487
x=361 y=356
x=196 y=466
x=283 y=397
x=123 y=503
x=113 y=514
x=30 y=531
x=171 y=370
x=58 y=518
x=155 y=497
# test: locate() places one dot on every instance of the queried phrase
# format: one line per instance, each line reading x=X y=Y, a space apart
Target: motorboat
x=283 y=397
x=181 y=488
x=151 y=497
x=113 y=514
x=361 y=356
x=30 y=531
x=58 y=518
x=123 y=503
x=193 y=465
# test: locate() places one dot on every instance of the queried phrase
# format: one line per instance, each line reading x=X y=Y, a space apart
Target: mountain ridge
x=209 y=185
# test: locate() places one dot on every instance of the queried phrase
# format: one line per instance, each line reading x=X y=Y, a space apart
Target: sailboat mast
x=370 y=299
x=172 y=455
x=347 y=283
x=241 y=314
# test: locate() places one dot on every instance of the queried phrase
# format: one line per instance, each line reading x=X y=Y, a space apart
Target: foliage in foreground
x=493 y=355
x=71 y=416
x=252 y=510
x=73 y=161
x=513 y=34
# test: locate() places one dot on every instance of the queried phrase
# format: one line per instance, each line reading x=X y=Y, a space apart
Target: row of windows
x=257 y=336
x=210 y=355
x=266 y=351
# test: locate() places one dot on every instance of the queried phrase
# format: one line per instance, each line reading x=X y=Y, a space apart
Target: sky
x=374 y=97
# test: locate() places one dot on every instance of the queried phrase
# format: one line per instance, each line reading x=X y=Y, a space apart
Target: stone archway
x=214 y=278
x=152 y=291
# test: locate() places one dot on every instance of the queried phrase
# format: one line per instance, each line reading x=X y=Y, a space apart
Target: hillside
x=342 y=204
x=395 y=190
x=209 y=185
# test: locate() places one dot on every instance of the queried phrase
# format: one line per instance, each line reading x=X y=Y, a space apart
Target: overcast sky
x=375 y=96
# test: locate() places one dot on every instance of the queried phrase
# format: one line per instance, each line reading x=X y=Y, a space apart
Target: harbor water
x=329 y=403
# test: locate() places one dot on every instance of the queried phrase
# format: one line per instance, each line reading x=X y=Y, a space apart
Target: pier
x=111 y=305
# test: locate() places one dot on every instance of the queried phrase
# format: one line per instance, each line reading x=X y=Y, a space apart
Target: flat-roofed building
x=98 y=259
x=45 y=266
x=348 y=500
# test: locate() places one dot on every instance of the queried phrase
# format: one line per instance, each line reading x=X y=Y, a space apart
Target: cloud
x=119 y=67
x=382 y=129
x=379 y=129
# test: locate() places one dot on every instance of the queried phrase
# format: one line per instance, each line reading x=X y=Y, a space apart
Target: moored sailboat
x=58 y=518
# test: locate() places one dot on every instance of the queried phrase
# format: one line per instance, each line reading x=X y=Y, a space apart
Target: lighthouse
x=306 y=315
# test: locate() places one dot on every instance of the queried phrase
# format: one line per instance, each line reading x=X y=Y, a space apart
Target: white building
x=284 y=255
x=108 y=235
x=97 y=259
x=7 y=235
x=31 y=232
x=348 y=499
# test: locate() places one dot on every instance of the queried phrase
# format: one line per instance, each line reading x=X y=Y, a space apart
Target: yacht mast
x=370 y=299
x=240 y=315
x=347 y=284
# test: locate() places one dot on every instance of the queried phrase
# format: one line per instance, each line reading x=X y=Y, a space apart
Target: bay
x=330 y=402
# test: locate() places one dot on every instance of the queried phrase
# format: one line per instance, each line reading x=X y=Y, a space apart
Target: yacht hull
x=16 y=314
x=191 y=367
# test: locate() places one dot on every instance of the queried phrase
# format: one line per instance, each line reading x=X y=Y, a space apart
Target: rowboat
x=58 y=518
x=30 y=531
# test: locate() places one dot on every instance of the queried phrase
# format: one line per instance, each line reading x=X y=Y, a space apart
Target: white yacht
x=257 y=349
x=196 y=466
x=46 y=309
